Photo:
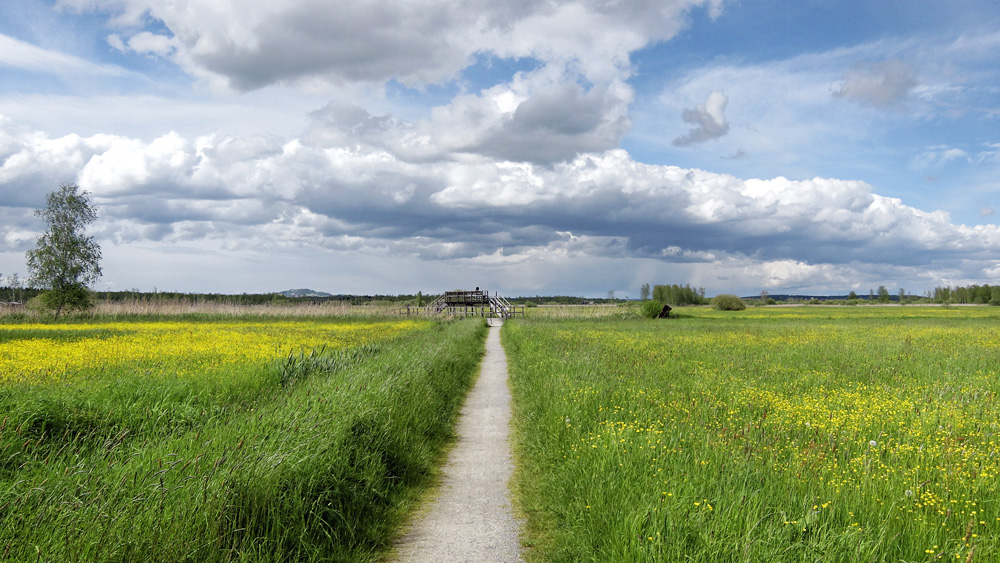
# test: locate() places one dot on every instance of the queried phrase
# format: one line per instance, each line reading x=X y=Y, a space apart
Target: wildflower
x=873 y=443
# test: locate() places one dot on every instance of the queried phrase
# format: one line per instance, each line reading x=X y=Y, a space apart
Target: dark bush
x=651 y=309
x=728 y=302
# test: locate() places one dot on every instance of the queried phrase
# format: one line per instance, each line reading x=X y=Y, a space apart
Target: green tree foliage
x=644 y=292
x=978 y=294
x=942 y=294
x=883 y=294
x=728 y=302
x=65 y=260
x=650 y=309
x=16 y=290
x=678 y=295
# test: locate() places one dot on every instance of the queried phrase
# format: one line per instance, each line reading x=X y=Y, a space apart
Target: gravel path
x=471 y=518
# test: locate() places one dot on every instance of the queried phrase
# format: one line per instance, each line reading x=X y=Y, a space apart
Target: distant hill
x=304 y=293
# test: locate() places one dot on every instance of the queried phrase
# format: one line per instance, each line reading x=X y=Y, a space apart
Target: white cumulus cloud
x=249 y=44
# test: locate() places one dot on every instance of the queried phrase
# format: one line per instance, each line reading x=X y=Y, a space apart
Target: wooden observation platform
x=469 y=304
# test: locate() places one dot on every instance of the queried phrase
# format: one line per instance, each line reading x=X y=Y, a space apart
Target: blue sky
x=573 y=146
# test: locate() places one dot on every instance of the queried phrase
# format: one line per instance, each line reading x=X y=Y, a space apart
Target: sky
x=566 y=147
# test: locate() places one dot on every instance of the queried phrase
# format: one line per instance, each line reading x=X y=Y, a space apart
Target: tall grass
x=314 y=457
x=620 y=311
x=143 y=308
x=764 y=435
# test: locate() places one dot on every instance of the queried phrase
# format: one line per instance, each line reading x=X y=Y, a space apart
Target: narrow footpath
x=471 y=517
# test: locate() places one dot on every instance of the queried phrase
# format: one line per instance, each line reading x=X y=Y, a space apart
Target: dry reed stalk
x=189 y=306
x=576 y=311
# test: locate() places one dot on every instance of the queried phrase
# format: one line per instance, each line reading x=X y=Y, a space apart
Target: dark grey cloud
x=555 y=124
x=562 y=110
x=348 y=42
x=549 y=122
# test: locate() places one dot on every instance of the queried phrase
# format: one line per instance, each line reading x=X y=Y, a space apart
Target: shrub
x=651 y=309
x=728 y=302
x=70 y=298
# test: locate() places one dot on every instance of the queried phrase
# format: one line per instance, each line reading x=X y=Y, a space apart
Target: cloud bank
x=249 y=44
x=454 y=141
x=321 y=193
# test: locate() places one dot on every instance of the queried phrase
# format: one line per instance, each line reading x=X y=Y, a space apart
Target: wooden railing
x=468 y=304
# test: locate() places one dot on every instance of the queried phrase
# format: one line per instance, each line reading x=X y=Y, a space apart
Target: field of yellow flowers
x=46 y=352
x=807 y=434
x=219 y=438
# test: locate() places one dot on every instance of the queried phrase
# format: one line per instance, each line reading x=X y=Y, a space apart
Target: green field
x=221 y=438
x=778 y=434
x=771 y=434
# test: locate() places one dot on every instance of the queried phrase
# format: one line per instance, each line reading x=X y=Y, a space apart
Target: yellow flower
x=57 y=352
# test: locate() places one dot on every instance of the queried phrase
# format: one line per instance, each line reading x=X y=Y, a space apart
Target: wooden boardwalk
x=469 y=304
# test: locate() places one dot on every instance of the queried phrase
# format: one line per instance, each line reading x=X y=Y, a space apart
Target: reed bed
x=191 y=306
x=622 y=311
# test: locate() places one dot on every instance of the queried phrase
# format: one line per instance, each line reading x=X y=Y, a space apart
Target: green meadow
x=771 y=434
x=211 y=438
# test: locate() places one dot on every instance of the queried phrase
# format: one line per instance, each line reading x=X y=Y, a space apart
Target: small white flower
x=873 y=443
x=908 y=493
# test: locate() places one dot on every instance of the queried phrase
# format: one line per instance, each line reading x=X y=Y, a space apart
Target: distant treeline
x=978 y=294
x=24 y=294
x=971 y=295
x=17 y=294
x=679 y=295
x=255 y=298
